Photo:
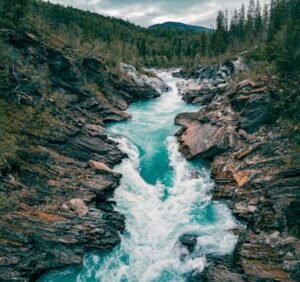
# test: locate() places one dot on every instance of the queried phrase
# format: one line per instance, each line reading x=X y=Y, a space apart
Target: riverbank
x=56 y=177
x=255 y=165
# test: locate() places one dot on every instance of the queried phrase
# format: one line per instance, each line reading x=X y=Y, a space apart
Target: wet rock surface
x=189 y=241
x=257 y=173
x=59 y=185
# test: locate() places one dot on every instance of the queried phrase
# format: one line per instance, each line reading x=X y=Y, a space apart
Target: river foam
x=163 y=196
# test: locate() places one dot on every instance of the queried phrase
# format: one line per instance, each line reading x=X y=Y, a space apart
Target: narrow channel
x=163 y=197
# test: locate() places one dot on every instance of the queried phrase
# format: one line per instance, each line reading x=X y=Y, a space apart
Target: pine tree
x=250 y=18
x=203 y=50
x=234 y=24
x=273 y=20
x=226 y=19
x=220 y=34
x=258 y=20
x=265 y=21
x=241 y=25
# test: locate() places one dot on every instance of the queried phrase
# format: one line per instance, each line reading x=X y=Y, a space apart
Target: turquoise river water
x=161 y=201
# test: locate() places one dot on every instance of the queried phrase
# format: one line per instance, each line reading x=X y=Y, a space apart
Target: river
x=163 y=196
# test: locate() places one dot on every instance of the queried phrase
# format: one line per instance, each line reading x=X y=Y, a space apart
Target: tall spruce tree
x=242 y=21
x=203 y=50
x=265 y=21
x=258 y=20
x=250 y=19
x=220 y=34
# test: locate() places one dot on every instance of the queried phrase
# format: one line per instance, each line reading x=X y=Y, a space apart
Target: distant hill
x=181 y=26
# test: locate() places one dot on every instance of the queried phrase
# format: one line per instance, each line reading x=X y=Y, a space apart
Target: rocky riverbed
x=256 y=169
x=57 y=186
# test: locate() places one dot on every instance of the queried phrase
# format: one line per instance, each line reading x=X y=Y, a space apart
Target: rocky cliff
x=256 y=167
x=55 y=189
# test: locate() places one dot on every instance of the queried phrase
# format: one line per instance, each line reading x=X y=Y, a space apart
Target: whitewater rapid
x=162 y=200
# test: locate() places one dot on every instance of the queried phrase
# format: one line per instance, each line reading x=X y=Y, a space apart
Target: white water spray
x=162 y=200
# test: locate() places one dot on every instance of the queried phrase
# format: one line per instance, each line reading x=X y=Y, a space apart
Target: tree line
x=273 y=30
x=113 y=39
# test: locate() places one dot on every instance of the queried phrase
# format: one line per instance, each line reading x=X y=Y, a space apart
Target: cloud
x=148 y=12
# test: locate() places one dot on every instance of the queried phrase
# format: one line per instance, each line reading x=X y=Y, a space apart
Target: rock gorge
x=229 y=177
x=61 y=182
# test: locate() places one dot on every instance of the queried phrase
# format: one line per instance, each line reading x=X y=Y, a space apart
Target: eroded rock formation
x=58 y=185
x=257 y=172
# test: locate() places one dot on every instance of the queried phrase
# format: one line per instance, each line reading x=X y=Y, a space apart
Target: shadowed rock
x=189 y=241
x=57 y=188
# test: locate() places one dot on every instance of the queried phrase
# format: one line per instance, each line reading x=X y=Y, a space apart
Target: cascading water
x=161 y=199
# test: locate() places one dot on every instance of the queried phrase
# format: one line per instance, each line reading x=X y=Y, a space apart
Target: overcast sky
x=148 y=12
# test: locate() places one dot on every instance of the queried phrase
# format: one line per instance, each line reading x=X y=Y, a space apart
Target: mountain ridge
x=181 y=26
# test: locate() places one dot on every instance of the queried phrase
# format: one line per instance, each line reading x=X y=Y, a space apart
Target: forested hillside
x=112 y=39
x=272 y=30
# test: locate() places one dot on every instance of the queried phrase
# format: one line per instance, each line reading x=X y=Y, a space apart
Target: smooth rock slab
x=99 y=166
x=185 y=119
x=203 y=141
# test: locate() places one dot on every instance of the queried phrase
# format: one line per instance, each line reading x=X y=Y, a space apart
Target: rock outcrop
x=257 y=173
x=145 y=80
x=205 y=84
x=55 y=191
x=203 y=140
